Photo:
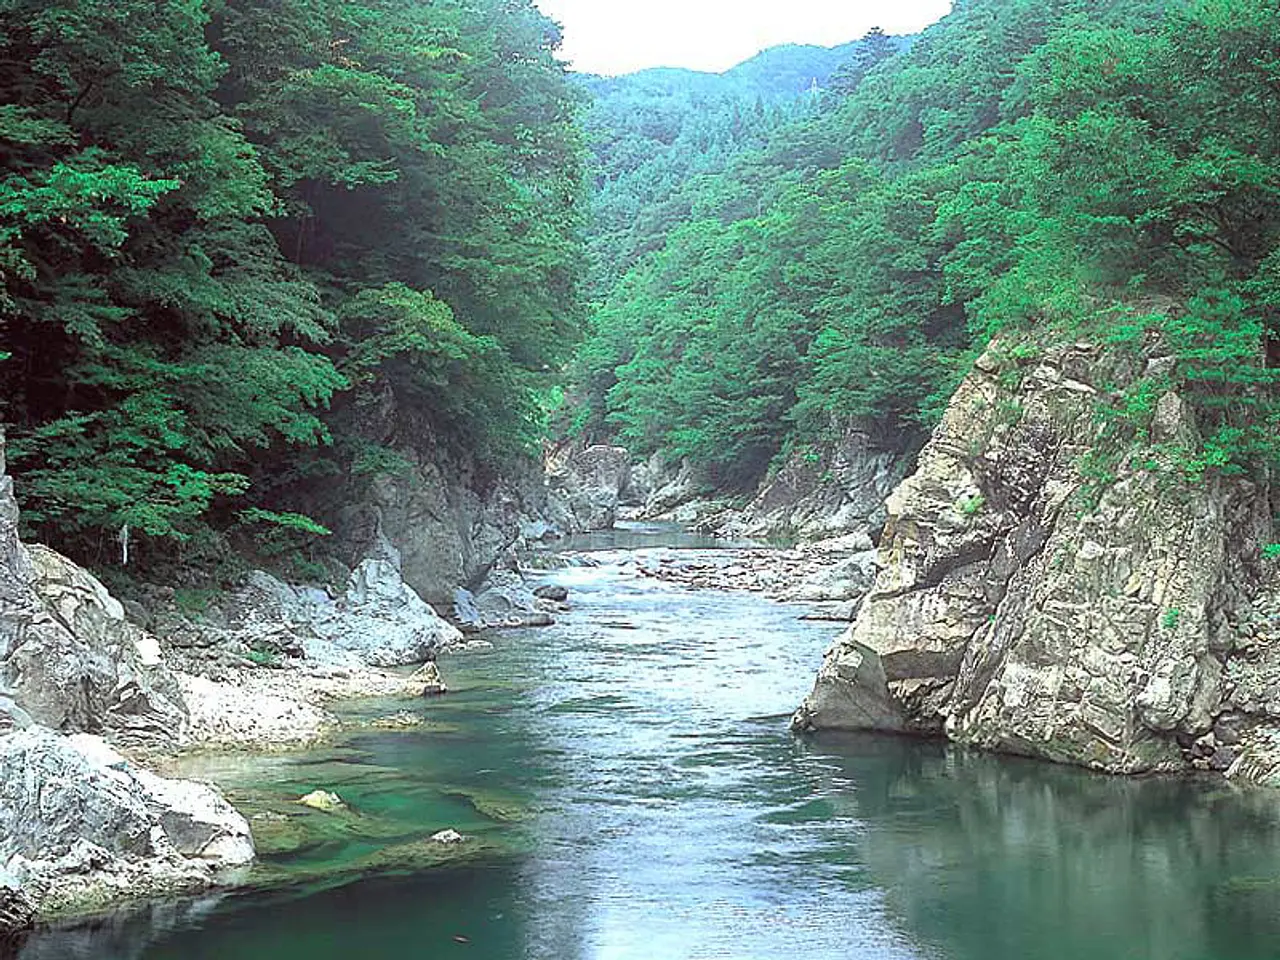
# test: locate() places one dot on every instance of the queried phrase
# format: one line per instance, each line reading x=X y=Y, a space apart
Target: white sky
x=619 y=36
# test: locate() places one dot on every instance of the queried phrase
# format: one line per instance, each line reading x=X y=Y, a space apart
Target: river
x=633 y=794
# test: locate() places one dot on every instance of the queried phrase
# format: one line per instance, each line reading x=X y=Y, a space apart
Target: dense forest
x=233 y=232
x=657 y=134
x=1043 y=169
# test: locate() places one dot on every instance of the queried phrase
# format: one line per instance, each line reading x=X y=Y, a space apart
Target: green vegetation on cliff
x=233 y=232
x=251 y=250
x=1034 y=164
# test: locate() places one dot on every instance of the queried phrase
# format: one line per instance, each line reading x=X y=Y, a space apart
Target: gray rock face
x=833 y=491
x=75 y=663
x=585 y=486
x=670 y=486
x=505 y=599
x=80 y=824
x=378 y=621
x=17 y=915
x=68 y=656
x=448 y=523
x=1009 y=615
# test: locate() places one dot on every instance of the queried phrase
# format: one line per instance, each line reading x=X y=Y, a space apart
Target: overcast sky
x=619 y=36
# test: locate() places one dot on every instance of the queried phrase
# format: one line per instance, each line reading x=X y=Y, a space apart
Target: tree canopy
x=226 y=226
x=1058 y=165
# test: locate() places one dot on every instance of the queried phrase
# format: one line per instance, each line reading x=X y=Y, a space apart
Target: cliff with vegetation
x=1016 y=165
x=1033 y=602
x=1041 y=237
x=261 y=264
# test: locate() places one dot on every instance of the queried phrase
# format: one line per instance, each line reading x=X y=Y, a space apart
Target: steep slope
x=1026 y=606
x=652 y=133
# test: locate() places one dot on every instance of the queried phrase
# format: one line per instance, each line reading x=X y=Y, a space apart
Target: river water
x=633 y=794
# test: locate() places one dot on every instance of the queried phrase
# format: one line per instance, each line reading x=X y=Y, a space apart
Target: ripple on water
x=634 y=793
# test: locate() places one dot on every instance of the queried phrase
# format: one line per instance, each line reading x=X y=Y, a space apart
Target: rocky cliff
x=585 y=486
x=79 y=824
x=832 y=489
x=446 y=516
x=1016 y=611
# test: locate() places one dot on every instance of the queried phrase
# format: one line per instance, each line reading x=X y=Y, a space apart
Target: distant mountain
x=778 y=73
x=651 y=131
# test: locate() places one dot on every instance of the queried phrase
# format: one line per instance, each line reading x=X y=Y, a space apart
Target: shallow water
x=634 y=793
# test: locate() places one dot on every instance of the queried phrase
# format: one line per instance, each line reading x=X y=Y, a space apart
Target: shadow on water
x=636 y=797
x=997 y=857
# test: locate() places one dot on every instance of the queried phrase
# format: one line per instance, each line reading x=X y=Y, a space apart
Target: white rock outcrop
x=1013 y=613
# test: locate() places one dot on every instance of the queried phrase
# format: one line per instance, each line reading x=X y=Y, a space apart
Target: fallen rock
x=323 y=800
x=428 y=677
x=551 y=591
x=504 y=601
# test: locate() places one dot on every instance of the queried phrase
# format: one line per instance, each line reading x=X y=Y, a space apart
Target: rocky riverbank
x=1131 y=632
x=90 y=701
x=829 y=576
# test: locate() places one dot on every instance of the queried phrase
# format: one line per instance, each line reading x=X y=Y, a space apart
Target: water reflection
x=631 y=769
x=991 y=858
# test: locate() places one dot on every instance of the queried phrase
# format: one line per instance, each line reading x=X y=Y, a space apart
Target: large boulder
x=81 y=826
x=377 y=621
x=68 y=656
x=1014 y=611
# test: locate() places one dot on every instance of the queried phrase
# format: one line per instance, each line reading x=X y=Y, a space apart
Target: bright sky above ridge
x=619 y=36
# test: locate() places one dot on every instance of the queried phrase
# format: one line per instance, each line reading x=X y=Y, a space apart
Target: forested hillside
x=1101 y=169
x=654 y=132
x=232 y=232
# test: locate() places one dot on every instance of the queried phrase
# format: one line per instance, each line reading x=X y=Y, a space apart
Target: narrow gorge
x=539 y=479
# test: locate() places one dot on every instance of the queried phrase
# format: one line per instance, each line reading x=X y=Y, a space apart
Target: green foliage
x=286 y=521
x=1035 y=170
x=224 y=227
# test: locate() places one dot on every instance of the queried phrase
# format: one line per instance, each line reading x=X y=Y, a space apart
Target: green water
x=632 y=792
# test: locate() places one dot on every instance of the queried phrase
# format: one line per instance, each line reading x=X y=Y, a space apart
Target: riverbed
x=630 y=790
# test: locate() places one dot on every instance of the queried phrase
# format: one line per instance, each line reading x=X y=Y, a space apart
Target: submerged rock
x=323 y=800
x=1011 y=614
x=428 y=677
